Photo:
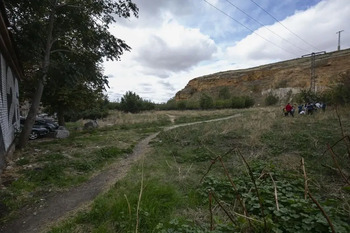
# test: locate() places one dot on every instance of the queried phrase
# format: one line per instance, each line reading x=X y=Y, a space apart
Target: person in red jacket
x=289 y=110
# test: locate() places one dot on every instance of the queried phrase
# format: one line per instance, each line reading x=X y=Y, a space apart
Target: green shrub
x=206 y=102
x=113 y=105
x=169 y=105
x=181 y=105
x=306 y=96
x=271 y=100
x=340 y=93
x=249 y=101
x=133 y=103
x=94 y=113
x=221 y=104
x=242 y=102
x=224 y=93
x=192 y=105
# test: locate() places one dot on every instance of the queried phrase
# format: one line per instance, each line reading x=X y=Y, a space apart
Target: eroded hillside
x=282 y=79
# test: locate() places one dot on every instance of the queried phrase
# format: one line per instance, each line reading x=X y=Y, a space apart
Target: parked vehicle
x=37 y=130
x=47 y=123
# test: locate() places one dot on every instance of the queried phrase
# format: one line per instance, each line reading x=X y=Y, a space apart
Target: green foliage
x=206 y=102
x=271 y=100
x=113 y=105
x=171 y=104
x=249 y=101
x=77 y=93
x=95 y=112
x=340 y=93
x=242 y=102
x=55 y=171
x=63 y=44
x=147 y=105
x=174 y=199
x=133 y=103
x=222 y=104
x=224 y=93
x=295 y=214
x=307 y=96
x=192 y=105
x=116 y=210
x=181 y=105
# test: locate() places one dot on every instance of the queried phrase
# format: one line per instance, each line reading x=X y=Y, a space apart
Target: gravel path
x=39 y=218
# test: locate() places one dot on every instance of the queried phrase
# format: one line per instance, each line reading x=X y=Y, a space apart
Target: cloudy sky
x=174 y=41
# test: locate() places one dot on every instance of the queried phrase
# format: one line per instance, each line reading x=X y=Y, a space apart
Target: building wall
x=9 y=109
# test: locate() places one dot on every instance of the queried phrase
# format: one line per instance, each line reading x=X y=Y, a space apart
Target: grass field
x=243 y=174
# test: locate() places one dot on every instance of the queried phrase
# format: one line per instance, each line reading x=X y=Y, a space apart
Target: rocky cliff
x=282 y=78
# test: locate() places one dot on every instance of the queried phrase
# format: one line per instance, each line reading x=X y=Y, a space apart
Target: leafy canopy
x=67 y=40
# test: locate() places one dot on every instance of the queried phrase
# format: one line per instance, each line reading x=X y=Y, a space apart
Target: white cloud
x=174 y=48
x=175 y=41
x=315 y=29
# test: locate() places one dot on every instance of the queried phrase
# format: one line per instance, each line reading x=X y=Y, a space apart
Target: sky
x=175 y=41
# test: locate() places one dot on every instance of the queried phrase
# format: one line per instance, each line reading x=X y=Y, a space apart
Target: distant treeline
x=207 y=102
x=133 y=103
x=339 y=93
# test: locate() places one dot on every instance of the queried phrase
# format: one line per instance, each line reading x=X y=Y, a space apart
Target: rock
x=90 y=125
x=62 y=132
x=284 y=78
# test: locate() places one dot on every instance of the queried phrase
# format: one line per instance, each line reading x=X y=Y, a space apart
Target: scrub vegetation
x=257 y=172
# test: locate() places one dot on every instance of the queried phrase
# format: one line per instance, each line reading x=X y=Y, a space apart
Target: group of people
x=307 y=108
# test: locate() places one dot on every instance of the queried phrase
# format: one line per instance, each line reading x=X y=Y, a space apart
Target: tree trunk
x=33 y=111
x=34 y=108
x=60 y=116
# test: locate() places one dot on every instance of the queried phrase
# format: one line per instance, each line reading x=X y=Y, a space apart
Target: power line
x=339 y=38
x=312 y=69
x=249 y=28
x=261 y=24
x=283 y=25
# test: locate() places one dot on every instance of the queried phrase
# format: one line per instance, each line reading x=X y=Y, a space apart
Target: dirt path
x=37 y=219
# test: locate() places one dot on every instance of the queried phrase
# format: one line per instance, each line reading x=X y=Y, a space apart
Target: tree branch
x=256 y=188
x=314 y=200
x=61 y=50
x=276 y=195
x=337 y=165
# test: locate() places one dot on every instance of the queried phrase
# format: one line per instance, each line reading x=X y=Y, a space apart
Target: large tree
x=44 y=28
x=76 y=83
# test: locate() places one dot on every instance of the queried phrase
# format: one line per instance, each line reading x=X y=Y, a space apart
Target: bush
x=249 y=101
x=181 y=105
x=271 y=100
x=307 y=96
x=242 y=102
x=113 y=105
x=169 y=105
x=340 y=94
x=224 y=93
x=221 y=104
x=94 y=113
x=147 y=105
x=206 y=102
x=133 y=103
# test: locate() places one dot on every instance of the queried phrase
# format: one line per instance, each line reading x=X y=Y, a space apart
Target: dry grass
x=179 y=157
x=121 y=118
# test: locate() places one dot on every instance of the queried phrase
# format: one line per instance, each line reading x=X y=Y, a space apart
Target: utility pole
x=312 y=69
x=339 y=38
